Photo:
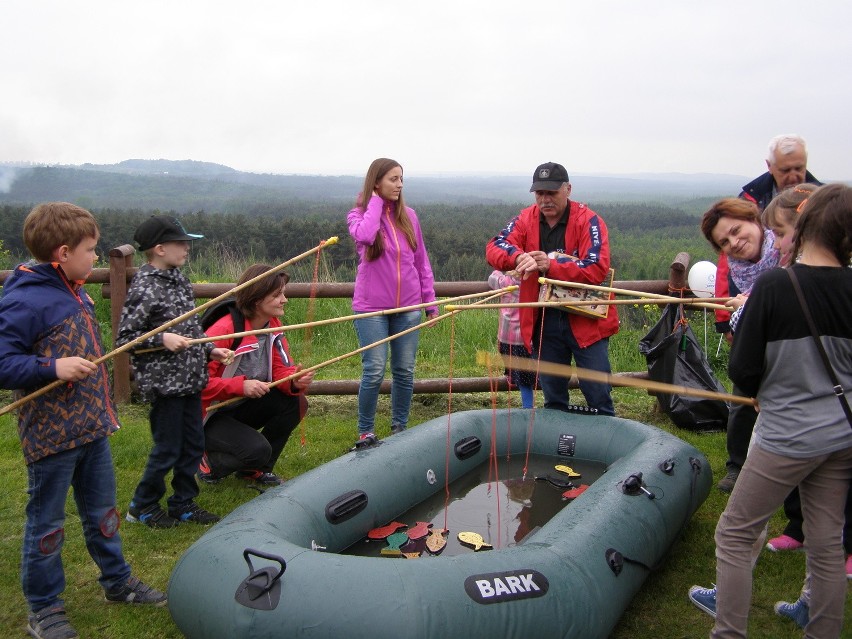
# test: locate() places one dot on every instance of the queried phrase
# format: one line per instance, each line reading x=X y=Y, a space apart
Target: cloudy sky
x=474 y=86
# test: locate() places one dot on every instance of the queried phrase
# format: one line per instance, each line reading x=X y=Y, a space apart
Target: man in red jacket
x=561 y=240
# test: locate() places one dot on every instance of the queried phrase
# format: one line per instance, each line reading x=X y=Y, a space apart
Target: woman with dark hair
x=247 y=437
x=733 y=227
x=393 y=272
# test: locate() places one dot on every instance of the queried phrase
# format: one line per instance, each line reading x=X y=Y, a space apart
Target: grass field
x=660 y=611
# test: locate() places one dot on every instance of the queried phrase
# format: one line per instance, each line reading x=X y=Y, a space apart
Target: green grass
x=661 y=610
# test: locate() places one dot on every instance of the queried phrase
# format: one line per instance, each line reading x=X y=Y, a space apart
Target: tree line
x=644 y=238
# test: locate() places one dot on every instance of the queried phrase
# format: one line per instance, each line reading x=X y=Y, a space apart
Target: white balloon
x=702 y=279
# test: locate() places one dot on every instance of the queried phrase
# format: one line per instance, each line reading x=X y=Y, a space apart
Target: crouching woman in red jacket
x=247 y=437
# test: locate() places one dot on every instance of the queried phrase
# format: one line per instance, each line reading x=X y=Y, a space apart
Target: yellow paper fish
x=566 y=470
x=475 y=540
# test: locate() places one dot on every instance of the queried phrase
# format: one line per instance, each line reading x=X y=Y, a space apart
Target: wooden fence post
x=120 y=262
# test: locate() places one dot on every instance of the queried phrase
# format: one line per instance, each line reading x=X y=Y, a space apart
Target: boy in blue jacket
x=48 y=331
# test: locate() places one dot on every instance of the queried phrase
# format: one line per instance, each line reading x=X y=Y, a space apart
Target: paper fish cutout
x=475 y=540
x=567 y=470
x=411 y=555
x=419 y=530
x=385 y=531
x=395 y=541
x=575 y=492
x=436 y=541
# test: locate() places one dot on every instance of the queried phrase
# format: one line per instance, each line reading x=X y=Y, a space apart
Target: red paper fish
x=575 y=492
x=385 y=531
x=419 y=530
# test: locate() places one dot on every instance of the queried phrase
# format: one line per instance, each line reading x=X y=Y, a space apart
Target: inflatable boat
x=275 y=567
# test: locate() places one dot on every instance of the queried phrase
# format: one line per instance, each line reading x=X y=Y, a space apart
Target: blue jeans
x=88 y=469
x=178 y=435
x=560 y=346
x=403 y=353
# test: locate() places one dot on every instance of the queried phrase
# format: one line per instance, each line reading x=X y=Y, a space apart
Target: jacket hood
x=33 y=273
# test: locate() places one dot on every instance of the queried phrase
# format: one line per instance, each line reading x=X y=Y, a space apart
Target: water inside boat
x=505 y=512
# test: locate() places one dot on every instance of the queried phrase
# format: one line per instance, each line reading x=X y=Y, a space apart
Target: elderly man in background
x=787 y=162
x=562 y=240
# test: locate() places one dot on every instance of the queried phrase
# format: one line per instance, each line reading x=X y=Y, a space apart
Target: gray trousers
x=766 y=479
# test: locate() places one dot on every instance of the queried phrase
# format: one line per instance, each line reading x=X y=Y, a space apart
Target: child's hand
x=223 y=355
x=73 y=369
x=254 y=388
x=175 y=343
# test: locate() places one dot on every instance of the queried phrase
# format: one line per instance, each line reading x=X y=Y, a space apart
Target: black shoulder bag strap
x=838 y=389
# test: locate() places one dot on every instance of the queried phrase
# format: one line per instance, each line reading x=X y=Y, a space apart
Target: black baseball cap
x=159 y=229
x=549 y=176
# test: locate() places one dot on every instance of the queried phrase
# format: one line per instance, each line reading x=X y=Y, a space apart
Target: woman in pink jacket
x=393 y=272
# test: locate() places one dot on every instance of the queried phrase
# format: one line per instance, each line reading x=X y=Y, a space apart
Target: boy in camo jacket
x=171 y=378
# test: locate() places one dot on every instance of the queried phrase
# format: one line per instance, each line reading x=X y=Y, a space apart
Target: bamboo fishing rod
x=336 y=320
x=645 y=300
x=44 y=389
x=339 y=358
x=585 y=374
x=622 y=291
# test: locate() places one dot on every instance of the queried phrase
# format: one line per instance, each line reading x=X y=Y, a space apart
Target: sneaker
x=260 y=477
x=704 y=598
x=364 y=436
x=396 y=429
x=205 y=472
x=152 y=516
x=51 y=623
x=194 y=513
x=797 y=611
x=135 y=592
x=784 y=542
x=849 y=566
x=726 y=484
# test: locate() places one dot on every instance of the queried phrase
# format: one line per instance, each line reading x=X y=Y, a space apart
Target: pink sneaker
x=849 y=566
x=784 y=542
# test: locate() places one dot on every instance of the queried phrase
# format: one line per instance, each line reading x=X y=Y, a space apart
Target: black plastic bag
x=674 y=356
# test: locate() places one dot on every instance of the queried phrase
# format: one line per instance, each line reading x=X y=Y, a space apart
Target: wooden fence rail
x=116 y=278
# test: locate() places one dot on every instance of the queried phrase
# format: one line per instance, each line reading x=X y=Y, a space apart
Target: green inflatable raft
x=273 y=567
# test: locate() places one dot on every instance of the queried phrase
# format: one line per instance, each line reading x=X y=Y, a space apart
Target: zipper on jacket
x=398 y=257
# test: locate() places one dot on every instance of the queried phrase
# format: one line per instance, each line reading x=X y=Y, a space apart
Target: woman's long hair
x=378 y=169
x=827 y=220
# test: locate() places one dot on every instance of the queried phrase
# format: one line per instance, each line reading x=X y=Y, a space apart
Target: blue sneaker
x=797 y=611
x=704 y=598
x=152 y=516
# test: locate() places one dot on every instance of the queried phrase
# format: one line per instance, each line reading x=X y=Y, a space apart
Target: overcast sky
x=324 y=87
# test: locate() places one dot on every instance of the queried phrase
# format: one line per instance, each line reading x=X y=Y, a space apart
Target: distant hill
x=188 y=185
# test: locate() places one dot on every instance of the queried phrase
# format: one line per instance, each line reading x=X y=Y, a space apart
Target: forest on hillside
x=644 y=238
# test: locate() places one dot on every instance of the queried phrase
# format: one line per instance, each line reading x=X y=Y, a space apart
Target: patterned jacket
x=44 y=317
x=155 y=297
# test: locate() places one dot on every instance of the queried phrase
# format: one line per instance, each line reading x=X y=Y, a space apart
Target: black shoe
x=205 y=472
x=396 y=429
x=152 y=516
x=135 y=592
x=261 y=477
x=194 y=513
x=726 y=484
x=51 y=623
